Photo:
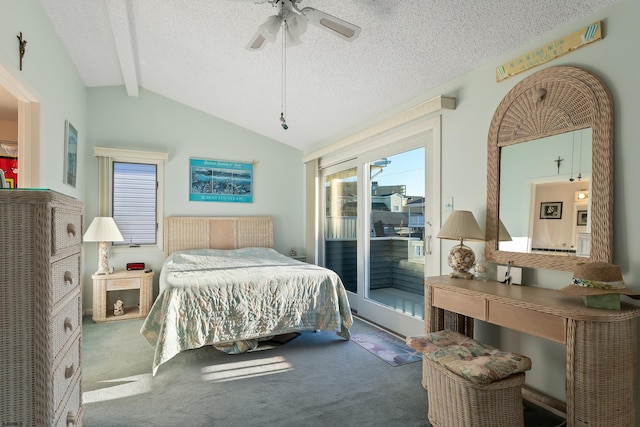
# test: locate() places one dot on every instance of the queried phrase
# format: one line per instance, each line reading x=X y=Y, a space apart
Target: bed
x=223 y=284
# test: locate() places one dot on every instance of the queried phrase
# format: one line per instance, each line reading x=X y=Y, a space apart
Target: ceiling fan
x=295 y=21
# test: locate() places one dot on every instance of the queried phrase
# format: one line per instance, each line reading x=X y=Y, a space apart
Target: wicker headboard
x=199 y=232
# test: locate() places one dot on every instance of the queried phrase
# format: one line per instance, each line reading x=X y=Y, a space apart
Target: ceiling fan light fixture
x=292 y=40
x=271 y=27
x=296 y=25
x=267 y=32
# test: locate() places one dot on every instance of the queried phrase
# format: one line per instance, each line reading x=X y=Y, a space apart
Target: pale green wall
x=464 y=161
x=153 y=123
x=107 y=117
x=50 y=76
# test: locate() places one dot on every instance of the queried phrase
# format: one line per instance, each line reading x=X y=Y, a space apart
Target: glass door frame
x=368 y=308
x=328 y=171
x=421 y=133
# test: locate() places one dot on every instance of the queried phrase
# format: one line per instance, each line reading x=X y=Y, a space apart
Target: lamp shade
x=461 y=225
x=503 y=234
x=103 y=229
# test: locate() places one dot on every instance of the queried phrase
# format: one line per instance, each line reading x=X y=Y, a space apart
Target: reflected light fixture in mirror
x=574 y=99
x=582 y=196
x=461 y=225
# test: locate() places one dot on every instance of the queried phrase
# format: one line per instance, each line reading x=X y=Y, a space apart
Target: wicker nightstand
x=121 y=281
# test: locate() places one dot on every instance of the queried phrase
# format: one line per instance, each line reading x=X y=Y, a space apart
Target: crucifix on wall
x=22 y=48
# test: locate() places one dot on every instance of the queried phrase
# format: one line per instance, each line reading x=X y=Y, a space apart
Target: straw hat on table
x=598 y=278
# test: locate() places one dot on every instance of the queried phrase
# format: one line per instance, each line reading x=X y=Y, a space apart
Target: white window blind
x=135 y=201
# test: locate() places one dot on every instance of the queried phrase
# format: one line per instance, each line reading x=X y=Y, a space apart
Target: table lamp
x=461 y=225
x=103 y=229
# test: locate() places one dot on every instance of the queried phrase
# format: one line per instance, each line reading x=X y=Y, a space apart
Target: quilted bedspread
x=210 y=296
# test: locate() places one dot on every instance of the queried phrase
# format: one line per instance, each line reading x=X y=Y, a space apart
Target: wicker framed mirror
x=550 y=102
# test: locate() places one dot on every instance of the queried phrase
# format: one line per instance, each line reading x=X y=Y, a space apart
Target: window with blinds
x=135 y=200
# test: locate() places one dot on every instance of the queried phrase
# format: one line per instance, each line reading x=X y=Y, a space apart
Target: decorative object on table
x=220 y=181
x=481 y=269
x=551 y=210
x=509 y=274
x=461 y=225
x=135 y=266
x=70 y=154
x=103 y=229
x=601 y=285
x=118 y=308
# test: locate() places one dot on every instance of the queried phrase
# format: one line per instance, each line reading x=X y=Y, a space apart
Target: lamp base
x=461 y=260
x=103 y=258
x=461 y=275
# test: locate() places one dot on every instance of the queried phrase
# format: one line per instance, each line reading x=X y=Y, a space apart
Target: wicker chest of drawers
x=40 y=309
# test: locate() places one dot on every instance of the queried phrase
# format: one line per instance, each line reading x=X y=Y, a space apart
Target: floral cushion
x=482 y=369
x=477 y=362
x=436 y=340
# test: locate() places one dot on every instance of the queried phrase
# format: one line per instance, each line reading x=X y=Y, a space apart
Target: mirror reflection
x=544 y=188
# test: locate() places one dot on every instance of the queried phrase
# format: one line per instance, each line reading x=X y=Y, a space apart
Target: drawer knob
x=68 y=371
x=71 y=419
x=68 y=277
x=68 y=324
x=71 y=229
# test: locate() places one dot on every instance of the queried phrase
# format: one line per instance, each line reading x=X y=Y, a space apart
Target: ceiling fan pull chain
x=283 y=106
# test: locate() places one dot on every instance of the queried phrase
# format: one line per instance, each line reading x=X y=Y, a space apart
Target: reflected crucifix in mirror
x=558 y=161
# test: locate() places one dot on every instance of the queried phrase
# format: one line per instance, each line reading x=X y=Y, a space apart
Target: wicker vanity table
x=601 y=344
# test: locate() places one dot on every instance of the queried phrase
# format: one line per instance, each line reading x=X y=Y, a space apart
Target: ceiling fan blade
x=336 y=26
x=258 y=41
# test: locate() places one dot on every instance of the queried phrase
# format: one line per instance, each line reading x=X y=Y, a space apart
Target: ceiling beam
x=121 y=21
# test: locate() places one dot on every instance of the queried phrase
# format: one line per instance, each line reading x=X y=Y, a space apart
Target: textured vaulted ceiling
x=193 y=51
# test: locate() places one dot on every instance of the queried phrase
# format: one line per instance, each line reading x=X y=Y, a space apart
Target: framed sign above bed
x=220 y=181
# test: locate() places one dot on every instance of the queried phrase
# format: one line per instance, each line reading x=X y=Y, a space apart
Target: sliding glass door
x=377 y=231
x=396 y=244
x=394 y=247
x=341 y=226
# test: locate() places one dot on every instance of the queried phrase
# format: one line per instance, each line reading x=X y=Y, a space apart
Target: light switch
x=448 y=205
